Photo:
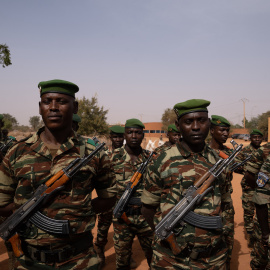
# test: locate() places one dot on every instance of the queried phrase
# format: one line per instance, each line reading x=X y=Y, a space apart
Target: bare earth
x=241 y=253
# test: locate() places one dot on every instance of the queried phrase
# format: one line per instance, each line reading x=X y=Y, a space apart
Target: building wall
x=154 y=130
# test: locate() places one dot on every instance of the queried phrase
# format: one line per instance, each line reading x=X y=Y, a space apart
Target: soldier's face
x=220 y=134
x=117 y=140
x=173 y=137
x=133 y=137
x=57 y=110
x=194 y=127
x=256 y=140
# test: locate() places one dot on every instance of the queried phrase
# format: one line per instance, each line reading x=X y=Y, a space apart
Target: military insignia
x=262 y=179
x=170 y=129
x=218 y=121
x=90 y=141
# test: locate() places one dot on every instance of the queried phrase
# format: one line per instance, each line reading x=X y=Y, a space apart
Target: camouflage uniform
x=104 y=224
x=227 y=207
x=11 y=256
x=171 y=173
x=247 y=195
x=260 y=162
x=125 y=233
x=163 y=147
x=29 y=164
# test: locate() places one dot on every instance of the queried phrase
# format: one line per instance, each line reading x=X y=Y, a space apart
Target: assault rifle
x=28 y=212
x=122 y=205
x=5 y=146
x=166 y=228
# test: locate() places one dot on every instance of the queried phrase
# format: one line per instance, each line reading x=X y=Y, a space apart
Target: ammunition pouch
x=134 y=207
x=197 y=253
x=135 y=201
x=48 y=255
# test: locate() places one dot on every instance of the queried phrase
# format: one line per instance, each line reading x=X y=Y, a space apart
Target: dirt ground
x=240 y=256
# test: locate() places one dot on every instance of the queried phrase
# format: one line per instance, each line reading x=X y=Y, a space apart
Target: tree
x=263 y=122
x=93 y=117
x=5 y=59
x=168 y=117
x=9 y=121
x=35 y=122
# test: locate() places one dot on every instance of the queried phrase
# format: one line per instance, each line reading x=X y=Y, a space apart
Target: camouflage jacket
x=169 y=176
x=163 y=147
x=29 y=163
x=124 y=170
x=260 y=162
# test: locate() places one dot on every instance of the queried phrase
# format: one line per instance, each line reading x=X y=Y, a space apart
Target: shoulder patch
x=90 y=141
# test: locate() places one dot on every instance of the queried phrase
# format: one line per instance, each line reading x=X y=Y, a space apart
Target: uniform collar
x=187 y=153
x=37 y=145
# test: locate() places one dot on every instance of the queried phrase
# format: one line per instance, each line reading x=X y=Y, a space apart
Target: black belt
x=45 y=254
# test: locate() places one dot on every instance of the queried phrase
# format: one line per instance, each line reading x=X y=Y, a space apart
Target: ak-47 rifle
x=5 y=146
x=28 y=212
x=165 y=229
x=122 y=205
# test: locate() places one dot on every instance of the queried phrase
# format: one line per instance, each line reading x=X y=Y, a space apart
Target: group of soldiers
x=176 y=165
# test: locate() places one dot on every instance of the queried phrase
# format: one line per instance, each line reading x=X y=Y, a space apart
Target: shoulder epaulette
x=25 y=139
x=90 y=141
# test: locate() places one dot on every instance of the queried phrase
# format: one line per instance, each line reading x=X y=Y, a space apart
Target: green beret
x=1 y=116
x=256 y=132
x=173 y=127
x=220 y=121
x=117 y=129
x=76 y=118
x=58 y=86
x=134 y=123
x=189 y=106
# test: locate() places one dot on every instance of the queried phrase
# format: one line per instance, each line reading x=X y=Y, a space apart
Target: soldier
x=256 y=137
x=259 y=168
x=220 y=130
x=36 y=159
x=105 y=219
x=76 y=119
x=126 y=161
x=173 y=135
x=171 y=173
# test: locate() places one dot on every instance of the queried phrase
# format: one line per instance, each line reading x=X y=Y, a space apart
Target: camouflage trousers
x=123 y=239
x=228 y=214
x=86 y=260
x=166 y=260
x=104 y=223
x=259 y=255
x=248 y=207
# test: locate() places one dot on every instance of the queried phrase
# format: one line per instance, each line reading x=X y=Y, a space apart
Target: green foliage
x=35 y=122
x=93 y=117
x=5 y=59
x=168 y=117
x=10 y=122
x=263 y=122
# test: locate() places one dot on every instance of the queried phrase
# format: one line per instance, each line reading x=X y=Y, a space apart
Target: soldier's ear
x=39 y=108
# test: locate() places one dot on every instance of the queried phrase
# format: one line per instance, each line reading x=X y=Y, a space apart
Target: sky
x=139 y=57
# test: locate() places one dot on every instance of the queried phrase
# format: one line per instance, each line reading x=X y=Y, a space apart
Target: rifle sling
x=204 y=222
